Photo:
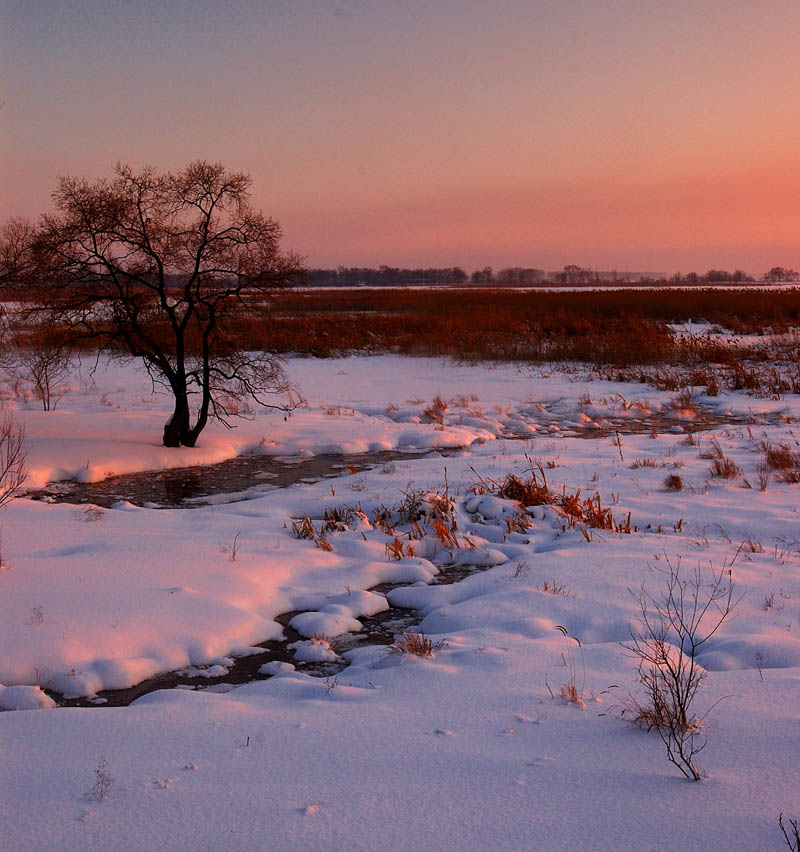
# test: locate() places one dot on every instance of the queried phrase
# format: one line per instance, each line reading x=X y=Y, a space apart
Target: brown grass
x=617 y=328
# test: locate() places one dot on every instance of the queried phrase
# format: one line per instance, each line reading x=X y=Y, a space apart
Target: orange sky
x=643 y=135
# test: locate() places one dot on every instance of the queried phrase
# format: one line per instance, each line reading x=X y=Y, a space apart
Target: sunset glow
x=655 y=136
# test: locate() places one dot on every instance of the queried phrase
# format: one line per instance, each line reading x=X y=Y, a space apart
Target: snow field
x=464 y=750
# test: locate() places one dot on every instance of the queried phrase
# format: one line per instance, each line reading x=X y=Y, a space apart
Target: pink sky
x=638 y=134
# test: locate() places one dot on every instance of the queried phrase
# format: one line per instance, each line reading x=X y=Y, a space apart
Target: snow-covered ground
x=467 y=749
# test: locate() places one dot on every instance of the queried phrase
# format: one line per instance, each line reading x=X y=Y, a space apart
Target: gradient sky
x=629 y=134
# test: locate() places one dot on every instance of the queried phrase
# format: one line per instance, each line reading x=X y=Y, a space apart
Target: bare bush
x=102 y=786
x=674 y=627
x=13 y=453
x=39 y=358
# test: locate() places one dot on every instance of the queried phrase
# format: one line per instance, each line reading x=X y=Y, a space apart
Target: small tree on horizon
x=161 y=267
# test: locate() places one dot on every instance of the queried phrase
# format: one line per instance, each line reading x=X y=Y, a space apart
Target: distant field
x=610 y=328
x=621 y=327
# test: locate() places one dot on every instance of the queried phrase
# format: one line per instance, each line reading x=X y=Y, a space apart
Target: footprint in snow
x=531 y=720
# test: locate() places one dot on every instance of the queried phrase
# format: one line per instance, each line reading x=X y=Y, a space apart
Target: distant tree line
x=571 y=274
x=355 y=275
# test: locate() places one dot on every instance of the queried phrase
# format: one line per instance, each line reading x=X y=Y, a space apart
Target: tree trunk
x=178 y=424
x=190 y=435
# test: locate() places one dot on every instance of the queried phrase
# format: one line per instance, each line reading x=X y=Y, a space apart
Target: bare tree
x=162 y=267
x=15 y=245
x=791 y=835
x=673 y=629
x=39 y=356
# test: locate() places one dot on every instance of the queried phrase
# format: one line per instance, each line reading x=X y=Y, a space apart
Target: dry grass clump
x=705 y=376
x=519 y=522
x=721 y=466
x=530 y=491
x=647 y=462
x=673 y=482
x=337 y=519
x=725 y=468
x=554 y=588
x=416 y=644
x=780 y=458
x=303 y=528
x=521 y=568
x=435 y=411
x=399 y=549
x=571 y=692
x=533 y=490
